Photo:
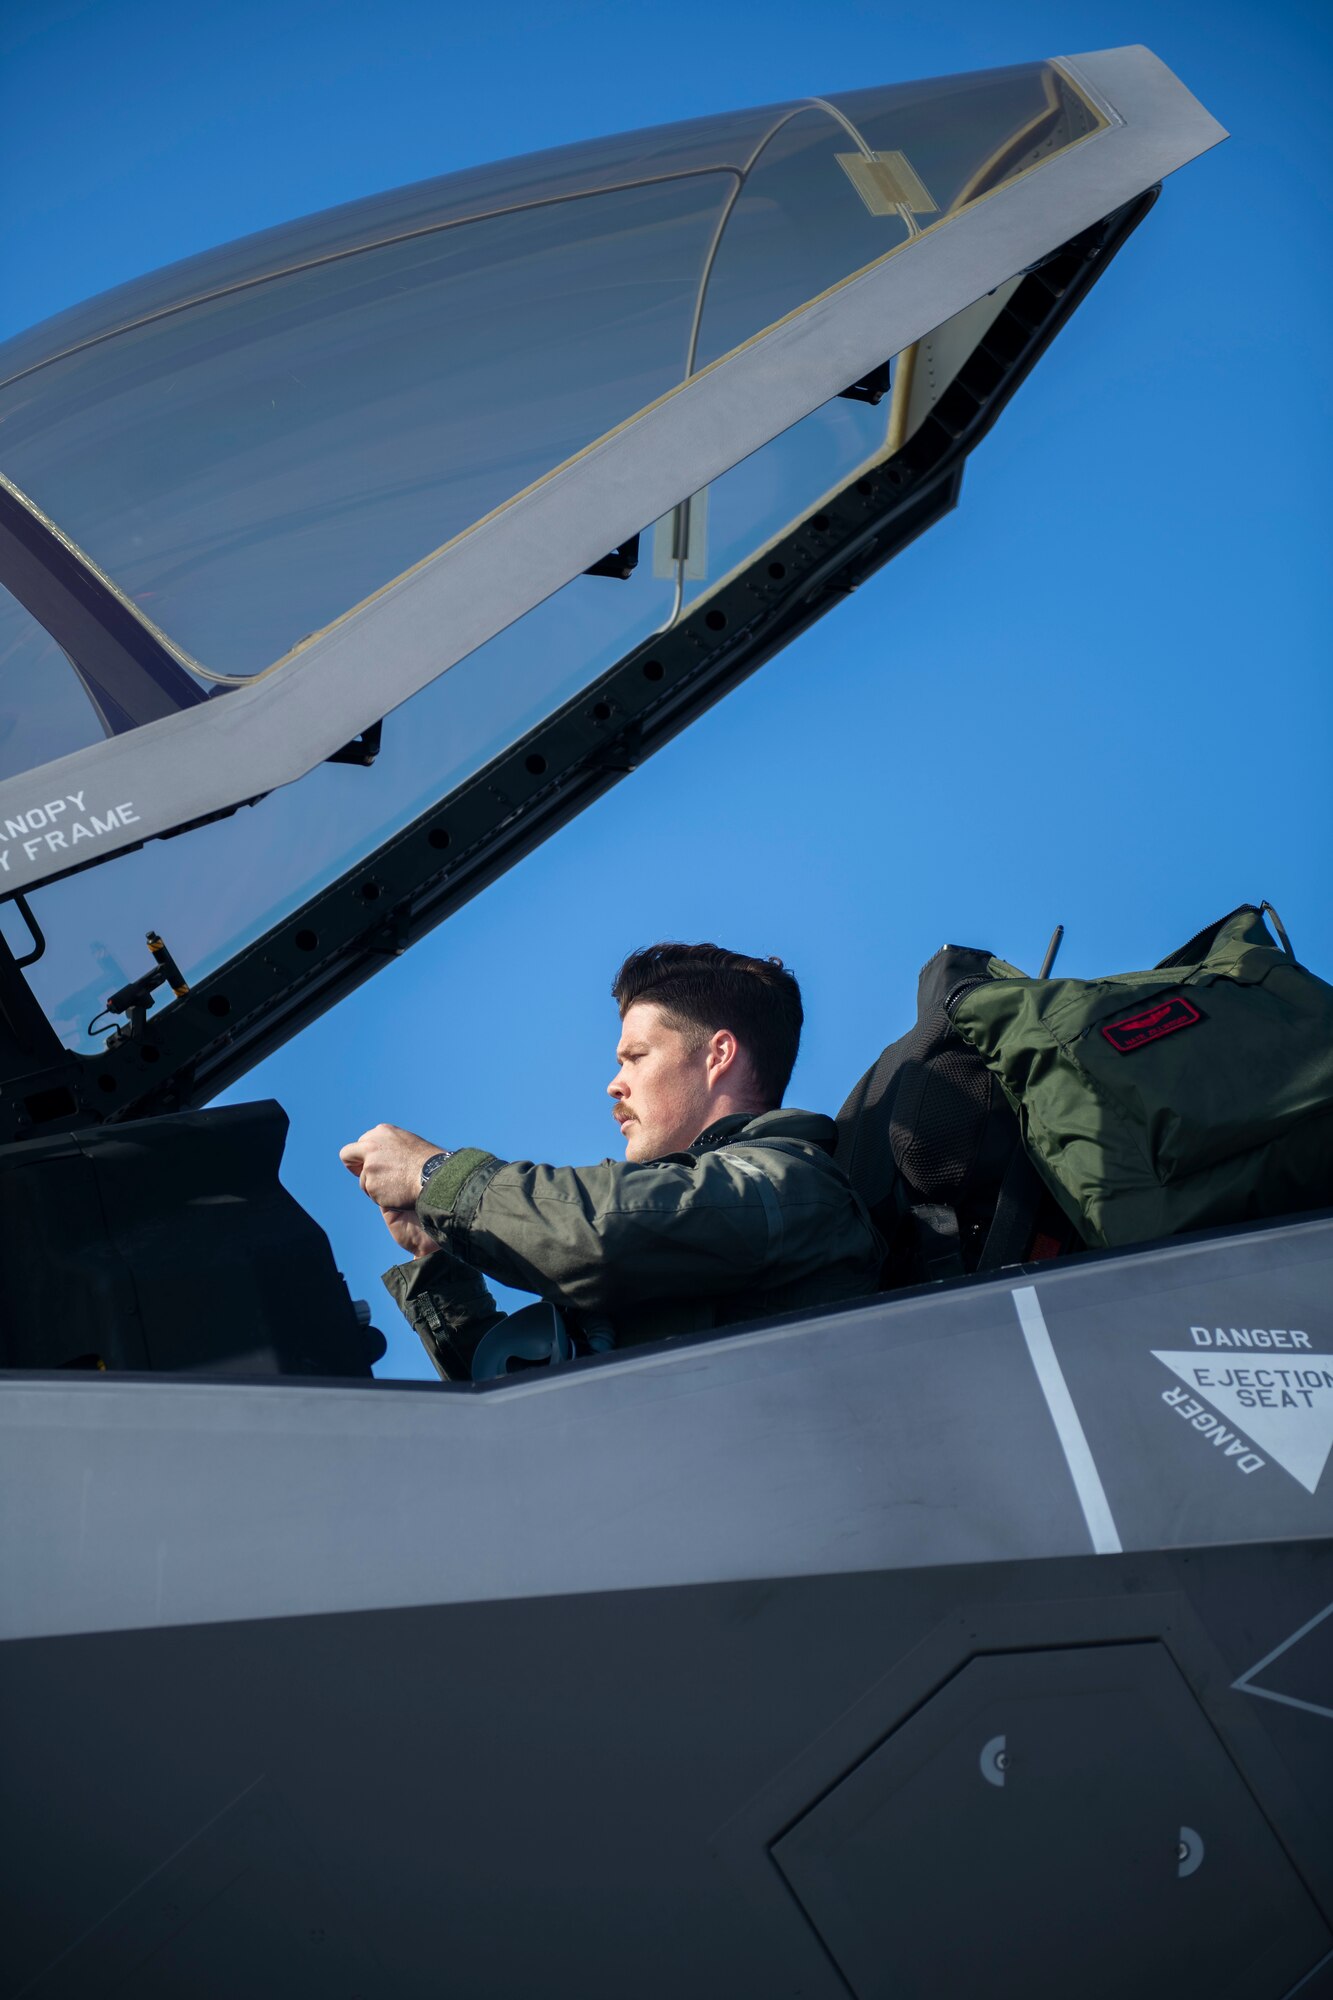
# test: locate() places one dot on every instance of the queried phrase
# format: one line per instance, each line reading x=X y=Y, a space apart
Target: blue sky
x=1097 y=694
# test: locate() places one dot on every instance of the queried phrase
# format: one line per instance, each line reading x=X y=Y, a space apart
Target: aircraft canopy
x=437 y=460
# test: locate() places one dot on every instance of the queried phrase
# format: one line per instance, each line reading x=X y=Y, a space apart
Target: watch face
x=429 y=1166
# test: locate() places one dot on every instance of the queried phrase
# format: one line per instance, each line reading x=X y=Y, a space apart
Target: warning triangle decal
x=1282 y=1402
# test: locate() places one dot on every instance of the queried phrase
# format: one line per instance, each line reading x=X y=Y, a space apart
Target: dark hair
x=703 y=987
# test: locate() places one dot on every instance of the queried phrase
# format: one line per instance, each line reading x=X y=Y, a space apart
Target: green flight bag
x=1188 y=1097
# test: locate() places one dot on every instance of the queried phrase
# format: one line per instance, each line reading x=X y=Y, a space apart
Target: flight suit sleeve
x=446 y=1303
x=597 y=1239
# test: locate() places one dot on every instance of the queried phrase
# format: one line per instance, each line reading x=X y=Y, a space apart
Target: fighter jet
x=972 y=1639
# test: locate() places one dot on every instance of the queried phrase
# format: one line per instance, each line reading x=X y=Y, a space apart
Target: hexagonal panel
x=1064 y=1822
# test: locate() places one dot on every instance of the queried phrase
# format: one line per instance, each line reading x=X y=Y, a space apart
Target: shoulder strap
x=1015 y=1217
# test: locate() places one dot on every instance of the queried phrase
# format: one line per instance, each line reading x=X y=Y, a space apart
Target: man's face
x=660 y=1092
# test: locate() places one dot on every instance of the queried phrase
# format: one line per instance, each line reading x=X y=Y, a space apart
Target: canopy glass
x=254 y=443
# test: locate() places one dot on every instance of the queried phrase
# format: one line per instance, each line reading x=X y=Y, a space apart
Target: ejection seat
x=932 y=1146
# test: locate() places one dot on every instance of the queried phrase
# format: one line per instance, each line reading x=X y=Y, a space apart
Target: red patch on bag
x=1140 y=1029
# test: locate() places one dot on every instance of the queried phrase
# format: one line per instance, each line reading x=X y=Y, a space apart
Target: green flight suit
x=755 y=1218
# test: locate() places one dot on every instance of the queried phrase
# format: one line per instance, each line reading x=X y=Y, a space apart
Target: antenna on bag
x=1051 y=950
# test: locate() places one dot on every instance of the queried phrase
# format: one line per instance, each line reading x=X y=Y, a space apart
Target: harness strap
x=1015 y=1215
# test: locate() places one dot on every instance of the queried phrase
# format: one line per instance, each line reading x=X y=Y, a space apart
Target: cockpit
x=342 y=565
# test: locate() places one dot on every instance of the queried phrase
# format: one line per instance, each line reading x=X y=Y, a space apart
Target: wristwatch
x=430 y=1166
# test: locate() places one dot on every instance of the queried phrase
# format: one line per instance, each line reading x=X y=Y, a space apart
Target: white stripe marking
x=1087 y=1481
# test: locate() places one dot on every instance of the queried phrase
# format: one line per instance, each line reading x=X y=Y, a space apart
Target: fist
x=388 y=1161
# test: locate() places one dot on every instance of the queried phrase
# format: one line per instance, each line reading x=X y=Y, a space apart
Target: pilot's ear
x=722 y=1052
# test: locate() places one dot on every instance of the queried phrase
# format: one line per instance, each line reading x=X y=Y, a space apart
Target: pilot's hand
x=408 y=1232
x=388 y=1161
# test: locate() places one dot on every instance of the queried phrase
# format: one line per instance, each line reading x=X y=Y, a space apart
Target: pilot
x=725 y=1207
